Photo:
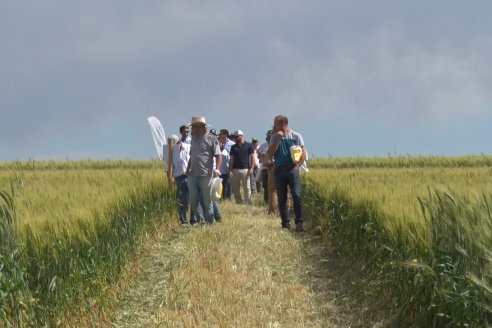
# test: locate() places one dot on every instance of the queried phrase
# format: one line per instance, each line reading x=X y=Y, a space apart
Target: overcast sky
x=78 y=79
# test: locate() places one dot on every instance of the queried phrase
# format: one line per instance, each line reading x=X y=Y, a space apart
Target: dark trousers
x=226 y=186
x=287 y=178
x=264 y=181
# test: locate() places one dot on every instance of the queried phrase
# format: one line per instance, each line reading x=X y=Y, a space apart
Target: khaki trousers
x=272 y=192
x=241 y=177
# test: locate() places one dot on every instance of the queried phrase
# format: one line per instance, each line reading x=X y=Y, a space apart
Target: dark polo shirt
x=241 y=155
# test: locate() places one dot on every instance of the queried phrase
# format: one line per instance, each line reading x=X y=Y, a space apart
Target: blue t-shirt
x=282 y=156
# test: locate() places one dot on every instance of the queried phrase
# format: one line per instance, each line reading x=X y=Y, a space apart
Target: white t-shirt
x=181 y=155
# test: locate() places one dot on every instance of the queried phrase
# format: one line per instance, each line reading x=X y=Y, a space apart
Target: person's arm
x=272 y=149
x=251 y=163
x=188 y=167
x=170 y=166
x=217 y=157
x=231 y=161
x=218 y=163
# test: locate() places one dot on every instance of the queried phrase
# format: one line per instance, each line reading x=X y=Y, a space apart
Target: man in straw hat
x=200 y=171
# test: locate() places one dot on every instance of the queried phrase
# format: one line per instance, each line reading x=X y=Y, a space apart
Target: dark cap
x=213 y=131
x=255 y=139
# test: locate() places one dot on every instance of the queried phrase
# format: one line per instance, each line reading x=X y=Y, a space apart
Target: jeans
x=216 y=211
x=200 y=189
x=252 y=181
x=213 y=208
x=286 y=177
x=181 y=184
x=197 y=217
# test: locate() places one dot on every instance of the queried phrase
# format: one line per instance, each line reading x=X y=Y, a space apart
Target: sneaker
x=299 y=227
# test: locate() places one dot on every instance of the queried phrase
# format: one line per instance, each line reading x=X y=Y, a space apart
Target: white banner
x=158 y=135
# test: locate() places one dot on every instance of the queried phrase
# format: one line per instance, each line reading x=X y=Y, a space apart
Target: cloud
x=74 y=74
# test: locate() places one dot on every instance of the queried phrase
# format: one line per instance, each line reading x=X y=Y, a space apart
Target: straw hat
x=198 y=120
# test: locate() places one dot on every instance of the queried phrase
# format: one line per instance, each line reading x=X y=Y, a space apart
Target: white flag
x=158 y=135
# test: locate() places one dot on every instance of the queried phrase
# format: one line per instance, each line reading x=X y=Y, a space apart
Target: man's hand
x=280 y=133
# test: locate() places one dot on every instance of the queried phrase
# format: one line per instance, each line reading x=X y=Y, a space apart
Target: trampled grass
x=244 y=272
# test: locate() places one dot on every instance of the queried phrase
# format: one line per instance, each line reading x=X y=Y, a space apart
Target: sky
x=78 y=79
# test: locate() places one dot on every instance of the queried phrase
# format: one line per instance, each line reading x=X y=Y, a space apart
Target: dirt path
x=245 y=272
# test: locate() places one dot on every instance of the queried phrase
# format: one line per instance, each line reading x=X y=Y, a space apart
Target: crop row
x=74 y=232
x=425 y=245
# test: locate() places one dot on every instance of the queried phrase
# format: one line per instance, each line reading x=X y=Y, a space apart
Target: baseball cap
x=213 y=131
x=238 y=133
x=255 y=139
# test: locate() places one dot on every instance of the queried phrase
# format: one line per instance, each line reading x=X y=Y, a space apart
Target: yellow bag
x=295 y=153
x=220 y=188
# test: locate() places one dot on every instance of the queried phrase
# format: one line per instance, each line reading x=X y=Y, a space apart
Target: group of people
x=196 y=160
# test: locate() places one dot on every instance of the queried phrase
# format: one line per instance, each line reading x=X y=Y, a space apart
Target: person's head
x=224 y=132
x=213 y=131
x=280 y=122
x=223 y=135
x=185 y=131
x=239 y=135
x=198 y=126
x=254 y=143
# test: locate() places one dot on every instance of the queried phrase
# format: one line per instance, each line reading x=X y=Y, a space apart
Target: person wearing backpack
x=289 y=153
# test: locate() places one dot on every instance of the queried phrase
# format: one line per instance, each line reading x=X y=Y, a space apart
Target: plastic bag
x=216 y=193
